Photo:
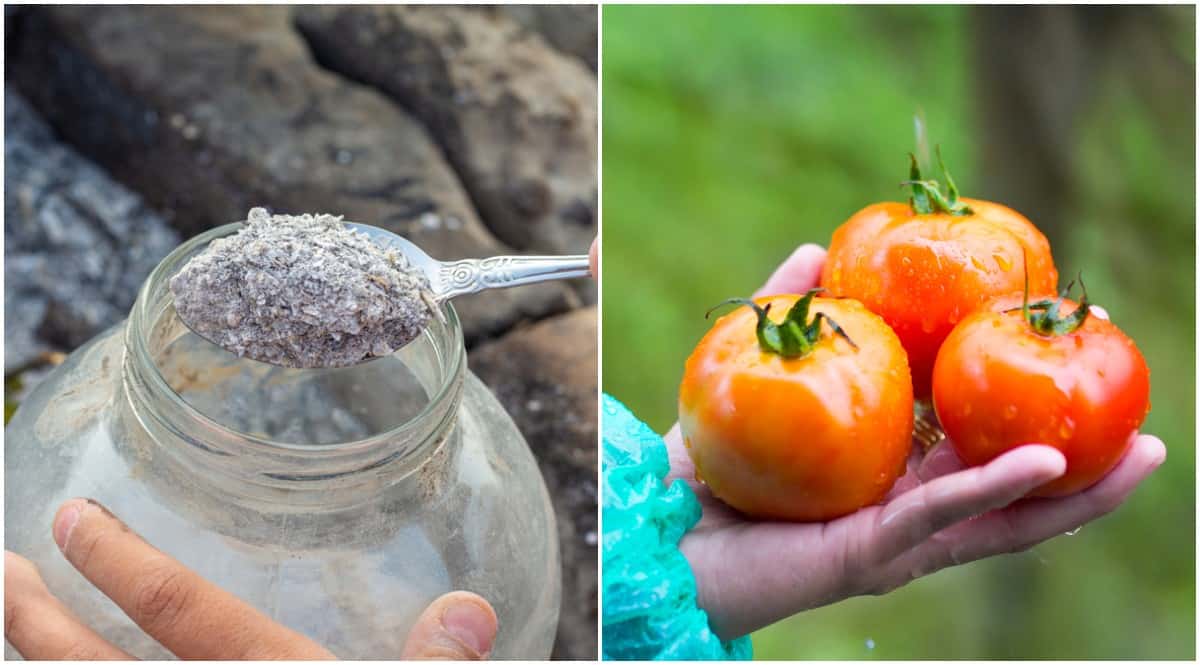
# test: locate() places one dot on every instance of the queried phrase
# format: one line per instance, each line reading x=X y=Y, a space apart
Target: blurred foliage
x=733 y=134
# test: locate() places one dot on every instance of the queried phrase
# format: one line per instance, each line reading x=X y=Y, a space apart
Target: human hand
x=939 y=514
x=188 y=615
x=594 y=259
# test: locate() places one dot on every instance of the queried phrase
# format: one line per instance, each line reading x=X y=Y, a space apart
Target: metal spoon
x=448 y=279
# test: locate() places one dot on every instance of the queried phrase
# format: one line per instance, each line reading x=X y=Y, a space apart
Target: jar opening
x=187 y=378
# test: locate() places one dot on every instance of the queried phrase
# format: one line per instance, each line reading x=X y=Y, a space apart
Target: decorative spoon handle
x=456 y=278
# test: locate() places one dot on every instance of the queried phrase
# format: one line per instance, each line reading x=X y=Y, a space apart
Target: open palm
x=939 y=514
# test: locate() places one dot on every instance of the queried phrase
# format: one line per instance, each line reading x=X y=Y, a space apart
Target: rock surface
x=515 y=117
x=11 y=16
x=77 y=245
x=208 y=113
x=545 y=376
x=570 y=28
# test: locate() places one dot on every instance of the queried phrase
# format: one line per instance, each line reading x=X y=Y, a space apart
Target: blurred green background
x=733 y=134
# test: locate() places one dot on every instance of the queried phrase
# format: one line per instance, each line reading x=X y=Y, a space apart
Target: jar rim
x=451 y=351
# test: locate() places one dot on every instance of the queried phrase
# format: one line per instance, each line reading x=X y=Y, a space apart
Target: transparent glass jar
x=338 y=502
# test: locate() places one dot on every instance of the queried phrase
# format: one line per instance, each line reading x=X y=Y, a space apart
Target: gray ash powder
x=302 y=291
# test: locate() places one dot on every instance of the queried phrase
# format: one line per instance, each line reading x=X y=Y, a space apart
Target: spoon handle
x=500 y=272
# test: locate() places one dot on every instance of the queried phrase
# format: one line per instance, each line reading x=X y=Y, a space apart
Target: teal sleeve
x=649 y=592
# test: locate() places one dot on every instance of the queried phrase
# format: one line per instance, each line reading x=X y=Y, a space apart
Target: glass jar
x=339 y=502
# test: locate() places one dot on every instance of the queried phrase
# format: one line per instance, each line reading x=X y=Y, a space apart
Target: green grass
x=731 y=135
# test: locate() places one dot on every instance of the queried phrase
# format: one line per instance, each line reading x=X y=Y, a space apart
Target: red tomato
x=792 y=420
x=1002 y=381
x=925 y=265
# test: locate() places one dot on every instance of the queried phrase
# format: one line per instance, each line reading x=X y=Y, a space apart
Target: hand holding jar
x=193 y=618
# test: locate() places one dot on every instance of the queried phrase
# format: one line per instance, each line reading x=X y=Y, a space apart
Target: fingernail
x=470 y=624
x=1159 y=458
x=68 y=517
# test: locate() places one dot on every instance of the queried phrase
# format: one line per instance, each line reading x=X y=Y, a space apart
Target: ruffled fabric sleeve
x=649 y=592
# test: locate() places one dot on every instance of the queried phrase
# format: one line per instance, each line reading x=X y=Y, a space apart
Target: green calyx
x=796 y=335
x=927 y=197
x=1043 y=317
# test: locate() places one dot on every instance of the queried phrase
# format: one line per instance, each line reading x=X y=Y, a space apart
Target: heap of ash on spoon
x=303 y=291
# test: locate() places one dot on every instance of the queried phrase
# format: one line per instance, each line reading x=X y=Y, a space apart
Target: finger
x=458 y=626
x=922 y=467
x=594 y=259
x=185 y=613
x=916 y=515
x=40 y=627
x=798 y=273
x=1028 y=523
x=681 y=465
x=941 y=460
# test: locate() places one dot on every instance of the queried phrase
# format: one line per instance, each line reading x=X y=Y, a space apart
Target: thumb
x=594 y=259
x=457 y=626
x=798 y=273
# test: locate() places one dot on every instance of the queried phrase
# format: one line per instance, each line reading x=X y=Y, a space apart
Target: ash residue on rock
x=77 y=244
x=302 y=291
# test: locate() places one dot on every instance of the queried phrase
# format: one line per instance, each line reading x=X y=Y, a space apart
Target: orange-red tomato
x=999 y=384
x=798 y=438
x=924 y=272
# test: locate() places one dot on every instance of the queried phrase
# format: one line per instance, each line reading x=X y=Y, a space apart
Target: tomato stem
x=1043 y=316
x=927 y=197
x=796 y=335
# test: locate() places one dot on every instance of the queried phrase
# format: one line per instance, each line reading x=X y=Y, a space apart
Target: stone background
x=472 y=131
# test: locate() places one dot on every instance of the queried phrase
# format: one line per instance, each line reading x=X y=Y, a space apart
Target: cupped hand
x=939 y=514
x=188 y=615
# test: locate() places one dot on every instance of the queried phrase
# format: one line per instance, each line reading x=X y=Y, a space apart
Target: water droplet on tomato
x=1074 y=531
x=1003 y=262
x=1066 y=429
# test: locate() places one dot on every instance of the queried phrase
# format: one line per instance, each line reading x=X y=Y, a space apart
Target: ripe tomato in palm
x=925 y=265
x=801 y=419
x=1052 y=374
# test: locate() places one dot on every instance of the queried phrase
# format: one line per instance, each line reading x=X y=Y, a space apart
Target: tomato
x=925 y=265
x=1069 y=380
x=793 y=420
